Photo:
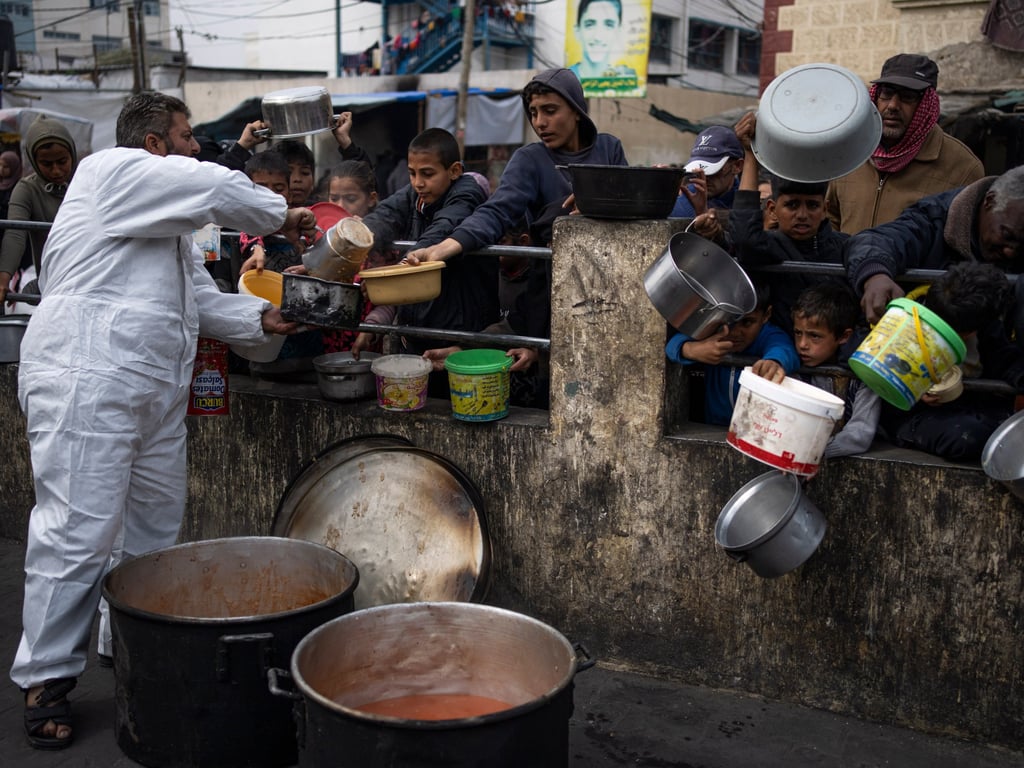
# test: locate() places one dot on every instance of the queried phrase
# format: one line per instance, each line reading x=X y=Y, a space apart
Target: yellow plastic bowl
x=403 y=283
x=266 y=284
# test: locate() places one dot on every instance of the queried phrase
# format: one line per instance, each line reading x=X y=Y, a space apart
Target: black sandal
x=51 y=706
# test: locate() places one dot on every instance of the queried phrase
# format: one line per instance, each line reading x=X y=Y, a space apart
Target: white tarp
x=488 y=120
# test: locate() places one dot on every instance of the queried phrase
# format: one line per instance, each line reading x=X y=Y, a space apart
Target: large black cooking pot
x=440 y=656
x=625 y=192
x=196 y=627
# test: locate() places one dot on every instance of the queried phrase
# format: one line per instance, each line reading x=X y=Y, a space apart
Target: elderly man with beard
x=915 y=157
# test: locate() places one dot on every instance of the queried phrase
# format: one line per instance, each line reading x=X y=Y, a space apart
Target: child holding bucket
x=824 y=318
x=751 y=335
x=973 y=299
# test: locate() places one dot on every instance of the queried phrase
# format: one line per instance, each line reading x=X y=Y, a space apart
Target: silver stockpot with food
x=295 y=112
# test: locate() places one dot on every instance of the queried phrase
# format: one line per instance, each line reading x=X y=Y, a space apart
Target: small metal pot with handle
x=294 y=112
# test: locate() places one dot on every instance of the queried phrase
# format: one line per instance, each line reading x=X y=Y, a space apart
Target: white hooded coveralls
x=106 y=364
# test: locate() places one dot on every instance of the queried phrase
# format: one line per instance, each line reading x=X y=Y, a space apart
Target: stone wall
x=602 y=516
x=861 y=34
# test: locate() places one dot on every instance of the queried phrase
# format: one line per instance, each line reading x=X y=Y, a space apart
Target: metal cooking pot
x=1003 y=457
x=770 y=524
x=698 y=287
x=625 y=192
x=341 y=377
x=196 y=627
x=12 y=329
x=294 y=112
x=438 y=654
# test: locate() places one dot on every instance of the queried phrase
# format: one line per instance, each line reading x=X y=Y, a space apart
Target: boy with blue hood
x=37 y=197
x=533 y=178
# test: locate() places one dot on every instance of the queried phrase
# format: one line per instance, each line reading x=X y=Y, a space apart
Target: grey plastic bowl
x=1003 y=457
x=816 y=123
x=770 y=525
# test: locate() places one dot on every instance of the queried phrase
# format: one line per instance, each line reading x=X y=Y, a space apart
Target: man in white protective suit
x=105 y=368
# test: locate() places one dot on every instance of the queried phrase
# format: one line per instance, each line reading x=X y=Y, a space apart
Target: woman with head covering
x=37 y=196
x=10 y=173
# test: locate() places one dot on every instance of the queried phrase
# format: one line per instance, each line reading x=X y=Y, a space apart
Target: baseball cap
x=909 y=70
x=713 y=148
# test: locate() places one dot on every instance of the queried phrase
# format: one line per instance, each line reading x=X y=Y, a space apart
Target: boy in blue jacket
x=751 y=335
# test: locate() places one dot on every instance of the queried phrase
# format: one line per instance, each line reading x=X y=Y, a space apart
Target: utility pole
x=133 y=37
x=337 y=37
x=181 y=51
x=140 y=20
x=468 y=29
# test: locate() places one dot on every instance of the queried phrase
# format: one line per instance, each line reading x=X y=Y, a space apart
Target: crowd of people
x=105 y=366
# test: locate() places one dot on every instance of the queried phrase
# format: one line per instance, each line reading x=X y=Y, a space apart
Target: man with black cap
x=915 y=157
x=536 y=174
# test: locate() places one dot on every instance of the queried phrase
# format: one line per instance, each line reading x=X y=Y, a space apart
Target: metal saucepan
x=698 y=287
x=294 y=112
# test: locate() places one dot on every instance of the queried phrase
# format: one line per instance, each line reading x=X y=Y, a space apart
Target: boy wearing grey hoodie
x=37 y=197
x=533 y=178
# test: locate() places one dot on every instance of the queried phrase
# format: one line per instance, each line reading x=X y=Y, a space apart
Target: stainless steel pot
x=341 y=377
x=12 y=329
x=434 y=653
x=1003 y=457
x=770 y=524
x=294 y=112
x=698 y=287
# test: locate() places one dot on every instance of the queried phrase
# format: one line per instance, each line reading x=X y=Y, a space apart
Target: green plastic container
x=892 y=360
x=478 y=381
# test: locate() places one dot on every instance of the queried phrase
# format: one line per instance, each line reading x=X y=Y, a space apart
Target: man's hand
x=699 y=197
x=343 y=130
x=299 y=223
x=274 y=323
x=440 y=252
x=248 y=140
x=769 y=369
x=879 y=290
x=711 y=350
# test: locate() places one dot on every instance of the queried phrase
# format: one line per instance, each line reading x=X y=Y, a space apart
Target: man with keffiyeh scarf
x=915 y=157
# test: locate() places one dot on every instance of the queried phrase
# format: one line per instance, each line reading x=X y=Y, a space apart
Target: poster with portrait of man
x=606 y=45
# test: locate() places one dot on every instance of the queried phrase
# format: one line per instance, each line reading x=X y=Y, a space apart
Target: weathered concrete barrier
x=602 y=515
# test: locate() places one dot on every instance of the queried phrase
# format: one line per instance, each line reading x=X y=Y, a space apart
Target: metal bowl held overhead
x=625 y=192
x=295 y=112
x=698 y=287
x=816 y=123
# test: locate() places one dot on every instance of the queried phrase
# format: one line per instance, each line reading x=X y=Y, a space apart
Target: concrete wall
x=602 y=516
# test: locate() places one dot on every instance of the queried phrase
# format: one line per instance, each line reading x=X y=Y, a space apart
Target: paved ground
x=621 y=720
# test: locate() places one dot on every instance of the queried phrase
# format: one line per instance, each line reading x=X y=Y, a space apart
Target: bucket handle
x=276 y=673
x=924 y=347
x=265 y=640
x=584 y=660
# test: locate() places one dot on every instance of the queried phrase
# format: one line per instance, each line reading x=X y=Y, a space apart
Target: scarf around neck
x=899 y=157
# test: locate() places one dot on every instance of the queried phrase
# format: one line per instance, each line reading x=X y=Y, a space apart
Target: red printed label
x=208 y=394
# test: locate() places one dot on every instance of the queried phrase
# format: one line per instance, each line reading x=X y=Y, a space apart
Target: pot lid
x=410 y=520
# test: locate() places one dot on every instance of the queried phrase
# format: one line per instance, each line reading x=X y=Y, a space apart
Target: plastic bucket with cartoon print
x=785 y=426
x=401 y=381
x=908 y=351
x=478 y=380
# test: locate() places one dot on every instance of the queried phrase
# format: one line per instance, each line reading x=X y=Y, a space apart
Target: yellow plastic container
x=908 y=351
x=403 y=283
x=266 y=284
x=478 y=380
